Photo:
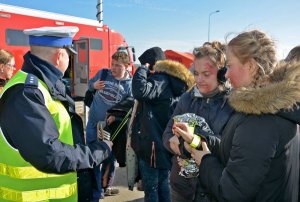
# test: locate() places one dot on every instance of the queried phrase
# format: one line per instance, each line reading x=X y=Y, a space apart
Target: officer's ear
x=58 y=56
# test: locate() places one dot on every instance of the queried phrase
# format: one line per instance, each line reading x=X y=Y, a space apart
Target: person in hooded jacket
x=149 y=57
x=115 y=87
x=206 y=99
x=258 y=157
x=157 y=94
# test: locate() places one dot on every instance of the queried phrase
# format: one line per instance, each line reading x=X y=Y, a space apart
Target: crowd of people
x=226 y=129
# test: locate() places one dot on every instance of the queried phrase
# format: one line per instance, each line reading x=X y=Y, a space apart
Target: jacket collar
x=280 y=91
x=50 y=75
x=3 y=82
x=176 y=70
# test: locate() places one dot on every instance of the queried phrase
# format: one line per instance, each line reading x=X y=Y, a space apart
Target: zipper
x=153 y=156
x=116 y=101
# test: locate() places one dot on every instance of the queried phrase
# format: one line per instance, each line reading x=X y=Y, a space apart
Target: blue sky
x=183 y=25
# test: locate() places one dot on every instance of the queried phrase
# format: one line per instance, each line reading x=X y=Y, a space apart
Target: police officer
x=41 y=136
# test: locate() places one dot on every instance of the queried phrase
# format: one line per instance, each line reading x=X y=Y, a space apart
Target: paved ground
x=125 y=194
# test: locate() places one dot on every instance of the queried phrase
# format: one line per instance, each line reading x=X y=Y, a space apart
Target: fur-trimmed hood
x=281 y=92
x=177 y=70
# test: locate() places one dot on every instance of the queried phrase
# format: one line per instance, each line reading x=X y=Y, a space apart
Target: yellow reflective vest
x=19 y=180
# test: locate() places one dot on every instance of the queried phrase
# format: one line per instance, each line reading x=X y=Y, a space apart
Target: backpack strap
x=104 y=74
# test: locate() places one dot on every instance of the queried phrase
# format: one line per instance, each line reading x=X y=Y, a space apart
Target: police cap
x=59 y=37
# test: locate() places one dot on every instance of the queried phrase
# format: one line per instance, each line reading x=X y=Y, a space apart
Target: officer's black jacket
x=28 y=126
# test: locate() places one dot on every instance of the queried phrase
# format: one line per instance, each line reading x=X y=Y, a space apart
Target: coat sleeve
x=168 y=134
x=145 y=87
x=29 y=127
x=250 y=157
x=213 y=141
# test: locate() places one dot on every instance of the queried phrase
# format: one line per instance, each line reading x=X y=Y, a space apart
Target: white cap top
x=61 y=31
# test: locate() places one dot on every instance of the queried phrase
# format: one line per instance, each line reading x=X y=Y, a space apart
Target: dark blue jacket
x=157 y=95
x=216 y=112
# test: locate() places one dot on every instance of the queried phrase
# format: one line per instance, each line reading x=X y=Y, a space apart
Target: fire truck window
x=82 y=46
x=96 y=44
x=16 y=38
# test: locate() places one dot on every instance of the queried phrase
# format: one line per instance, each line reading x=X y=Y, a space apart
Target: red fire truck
x=182 y=57
x=95 y=43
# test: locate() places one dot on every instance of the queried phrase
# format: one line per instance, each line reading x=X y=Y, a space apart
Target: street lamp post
x=217 y=11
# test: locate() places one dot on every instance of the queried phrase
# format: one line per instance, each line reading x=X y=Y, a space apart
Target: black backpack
x=89 y=95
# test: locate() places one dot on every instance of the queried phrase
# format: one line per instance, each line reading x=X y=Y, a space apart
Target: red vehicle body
x=182 y=57
x=95 y=43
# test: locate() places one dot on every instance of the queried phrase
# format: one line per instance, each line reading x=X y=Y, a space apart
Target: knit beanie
x=151 y=56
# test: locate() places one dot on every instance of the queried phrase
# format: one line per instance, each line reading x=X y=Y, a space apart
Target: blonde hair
x=294 y=55
x=122 y=57
x=214 y=50
x=258 y=46
x=5 y=56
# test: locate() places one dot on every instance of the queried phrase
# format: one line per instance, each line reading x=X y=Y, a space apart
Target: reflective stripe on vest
x=19 y=180
x=65 y=191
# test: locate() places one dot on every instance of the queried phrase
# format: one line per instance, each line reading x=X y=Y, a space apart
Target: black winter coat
x=258 y=158
x=157 y=94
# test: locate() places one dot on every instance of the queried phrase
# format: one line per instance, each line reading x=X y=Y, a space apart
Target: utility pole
x=217 y=11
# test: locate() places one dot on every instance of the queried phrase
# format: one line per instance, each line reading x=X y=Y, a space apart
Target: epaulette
x=31 y=81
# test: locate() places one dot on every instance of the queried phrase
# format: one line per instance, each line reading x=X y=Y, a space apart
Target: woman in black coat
x=258 y=158
x=157 y=94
